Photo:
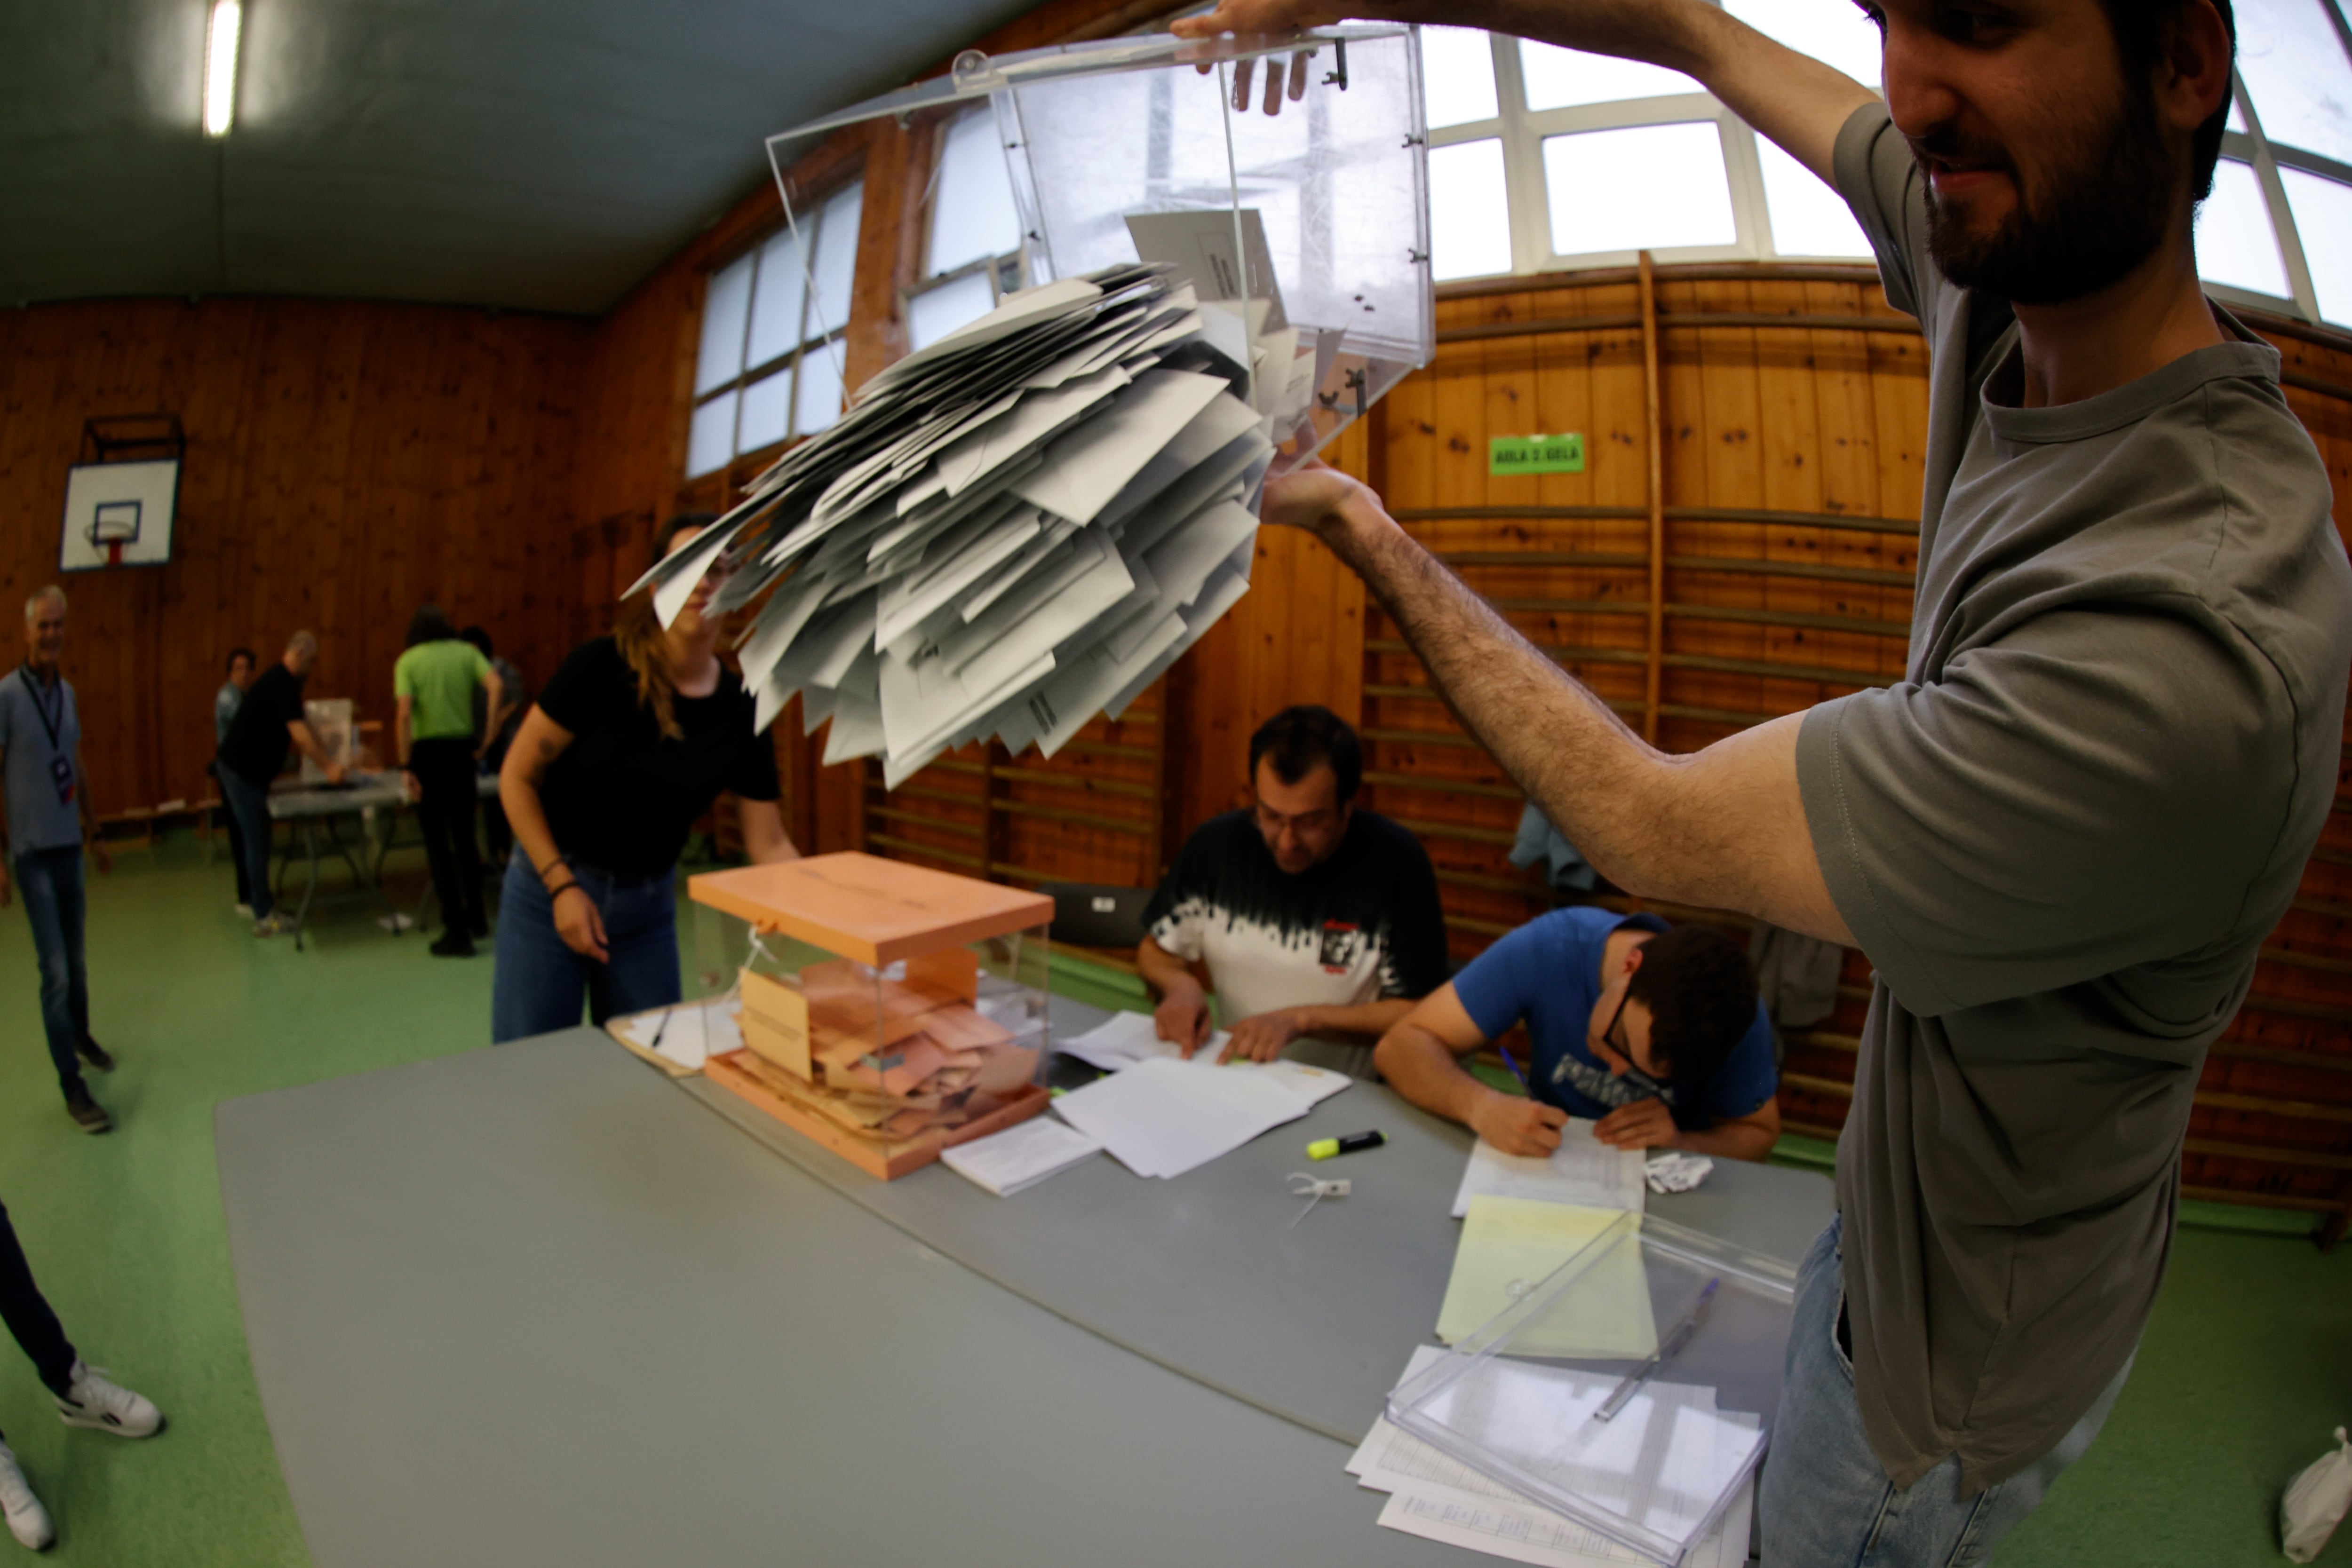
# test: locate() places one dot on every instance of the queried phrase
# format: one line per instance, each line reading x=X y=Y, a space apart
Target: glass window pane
x=767 y=412
x=1807 y=217
x=2323 y=221
x=1560 y=79
x=1646 y=187
x=2235 y=244
x=2237 y=120
x=819 y=403
x=836 y=260
x=711 y=439
x=973 y=213
x=935 y=312
x=776 y=301
x=2293 y=63
x=1469 y=211
x=720 y=359
x=1457 y=75
x=1834 y=34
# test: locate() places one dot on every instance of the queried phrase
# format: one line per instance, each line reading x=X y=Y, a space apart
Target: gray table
x=531 y=1305
x=317 y=814
x=1205 y=1274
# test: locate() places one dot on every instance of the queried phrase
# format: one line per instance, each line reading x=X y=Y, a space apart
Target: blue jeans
x=538 y=983
x=50 y=883
x=1824 y=1501
x=250 y=807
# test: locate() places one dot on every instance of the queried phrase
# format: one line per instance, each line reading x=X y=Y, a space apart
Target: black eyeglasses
x=1609 y=1037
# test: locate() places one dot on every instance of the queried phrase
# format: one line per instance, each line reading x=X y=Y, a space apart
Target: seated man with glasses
x=1313 y=918
x=1653 y=1030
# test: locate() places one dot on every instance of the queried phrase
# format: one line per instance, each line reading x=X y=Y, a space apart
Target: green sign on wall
x=1535 y=455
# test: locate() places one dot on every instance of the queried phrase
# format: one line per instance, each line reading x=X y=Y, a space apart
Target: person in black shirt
x=269 y=723
x=632 y=741
x=1312 y=917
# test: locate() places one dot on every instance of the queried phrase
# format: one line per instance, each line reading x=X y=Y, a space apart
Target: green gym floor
x=2245 y=1369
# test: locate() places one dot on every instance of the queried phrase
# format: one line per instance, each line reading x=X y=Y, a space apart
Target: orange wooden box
x=888 y=1160
x=863 y=907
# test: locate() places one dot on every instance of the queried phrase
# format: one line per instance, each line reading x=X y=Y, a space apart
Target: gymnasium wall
x=346 y=462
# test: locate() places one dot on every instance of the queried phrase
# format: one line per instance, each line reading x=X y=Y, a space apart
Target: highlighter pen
x=1505 y=1052
x=1323 y=1148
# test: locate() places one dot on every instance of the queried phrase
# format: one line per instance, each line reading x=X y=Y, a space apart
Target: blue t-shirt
x=1548 y=972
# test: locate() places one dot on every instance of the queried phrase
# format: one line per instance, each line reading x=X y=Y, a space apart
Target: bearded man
x=2061 y=837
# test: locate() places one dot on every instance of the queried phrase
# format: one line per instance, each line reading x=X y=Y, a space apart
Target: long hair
x=637 y=632
x=429 y=625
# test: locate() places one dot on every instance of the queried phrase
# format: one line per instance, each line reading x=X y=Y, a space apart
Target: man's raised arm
x=1793 y=99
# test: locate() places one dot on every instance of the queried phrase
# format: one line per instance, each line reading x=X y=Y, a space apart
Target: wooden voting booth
x=889 y=1011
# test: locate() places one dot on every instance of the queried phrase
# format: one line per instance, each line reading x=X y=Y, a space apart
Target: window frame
x=1007 y=271
x=812 y=228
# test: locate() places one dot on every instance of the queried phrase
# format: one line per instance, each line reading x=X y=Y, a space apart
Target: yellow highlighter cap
x=1322 y=1149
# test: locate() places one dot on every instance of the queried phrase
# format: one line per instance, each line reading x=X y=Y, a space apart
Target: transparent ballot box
x=1301 y=220
x=887 y=1011
x=1631 y=1389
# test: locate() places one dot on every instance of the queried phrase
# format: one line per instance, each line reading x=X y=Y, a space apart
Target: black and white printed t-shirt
x=1359 y=926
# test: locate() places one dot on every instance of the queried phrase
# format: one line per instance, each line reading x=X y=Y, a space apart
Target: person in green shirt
x=433 y=686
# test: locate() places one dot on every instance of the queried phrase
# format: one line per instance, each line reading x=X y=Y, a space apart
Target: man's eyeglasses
x=1613 y=1037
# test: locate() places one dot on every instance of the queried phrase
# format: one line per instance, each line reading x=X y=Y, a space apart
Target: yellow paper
x=1511 y=1245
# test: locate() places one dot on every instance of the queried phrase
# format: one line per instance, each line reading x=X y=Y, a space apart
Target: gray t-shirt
x=2060 y=839
x=38 y=818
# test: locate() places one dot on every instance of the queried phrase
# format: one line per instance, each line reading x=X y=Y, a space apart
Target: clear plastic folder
x=1649 y=1448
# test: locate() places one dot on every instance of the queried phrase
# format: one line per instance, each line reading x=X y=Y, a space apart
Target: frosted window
x=1457 y=75
x=819 y=403
x=2323 y=220
x=1807 y=217
x=1832 y=31
x=1647 y=187
x=1469 y=211
x=2234 y=242
x=2292 y=62
x=836 y=261
x=710 y=440
x=767 y=411
x=971 y=206
x=1561 y=79
x=934 y=313
x=2237 y=120
x=720 y=359
x=776 y=301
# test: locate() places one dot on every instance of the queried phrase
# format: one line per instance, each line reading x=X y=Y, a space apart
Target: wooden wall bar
x=1791 y=460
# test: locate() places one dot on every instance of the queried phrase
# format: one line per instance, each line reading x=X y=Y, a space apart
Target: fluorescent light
x=220 y=65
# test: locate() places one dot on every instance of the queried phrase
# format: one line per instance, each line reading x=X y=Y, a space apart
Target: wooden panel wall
x=1791 y=460
x=346 y=462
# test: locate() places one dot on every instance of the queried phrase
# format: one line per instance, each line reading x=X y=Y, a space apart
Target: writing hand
x=1516 y=1124
x=1643 y=1124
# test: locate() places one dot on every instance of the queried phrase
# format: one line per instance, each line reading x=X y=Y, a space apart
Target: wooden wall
x=346 y=462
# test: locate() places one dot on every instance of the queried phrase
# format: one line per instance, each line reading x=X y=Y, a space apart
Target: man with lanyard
x=49 y=806
x=2063 y=836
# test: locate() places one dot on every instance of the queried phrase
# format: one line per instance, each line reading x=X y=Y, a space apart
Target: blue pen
x=1505 y=1051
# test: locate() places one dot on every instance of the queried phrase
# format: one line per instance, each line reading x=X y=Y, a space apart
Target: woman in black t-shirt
x=632 y=741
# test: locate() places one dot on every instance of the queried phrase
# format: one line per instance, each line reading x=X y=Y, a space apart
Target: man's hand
x=1262 y=1037
x=1268 y=16
x=578 y=924
x=1516 y=1124
x=99 y=856
x=1643 y=1124
x=1182 y=1015
x=1308 y=495
x=410 y=782
x=335 y=771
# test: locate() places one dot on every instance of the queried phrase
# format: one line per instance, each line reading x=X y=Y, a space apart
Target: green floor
x=2246 y=1367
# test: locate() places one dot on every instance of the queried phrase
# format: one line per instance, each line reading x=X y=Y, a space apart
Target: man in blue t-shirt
x=1655 y=1031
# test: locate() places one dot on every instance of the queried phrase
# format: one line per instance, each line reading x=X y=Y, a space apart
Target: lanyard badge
x=61 y=768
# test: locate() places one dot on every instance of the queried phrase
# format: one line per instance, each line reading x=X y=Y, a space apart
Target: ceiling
x=534 y=154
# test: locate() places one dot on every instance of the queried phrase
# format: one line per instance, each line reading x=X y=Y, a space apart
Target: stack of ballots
x=1014 y=528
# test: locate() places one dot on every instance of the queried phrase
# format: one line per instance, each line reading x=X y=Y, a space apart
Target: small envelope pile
x=1014 y=528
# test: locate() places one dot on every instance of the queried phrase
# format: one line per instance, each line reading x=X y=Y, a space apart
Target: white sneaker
x=272 y=925
x=246 y=910
x=28 y=1521
x=93 y=1402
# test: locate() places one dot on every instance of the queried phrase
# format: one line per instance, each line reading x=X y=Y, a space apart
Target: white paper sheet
x=1020 y=1157
x=1582 y=1170
x=689 y=1033
x=1163 y=1118
x=1128 y=1038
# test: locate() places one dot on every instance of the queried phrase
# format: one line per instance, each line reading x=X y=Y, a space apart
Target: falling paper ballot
x=1013 y=529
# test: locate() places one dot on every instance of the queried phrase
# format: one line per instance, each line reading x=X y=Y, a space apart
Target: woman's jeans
x=540 y=983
